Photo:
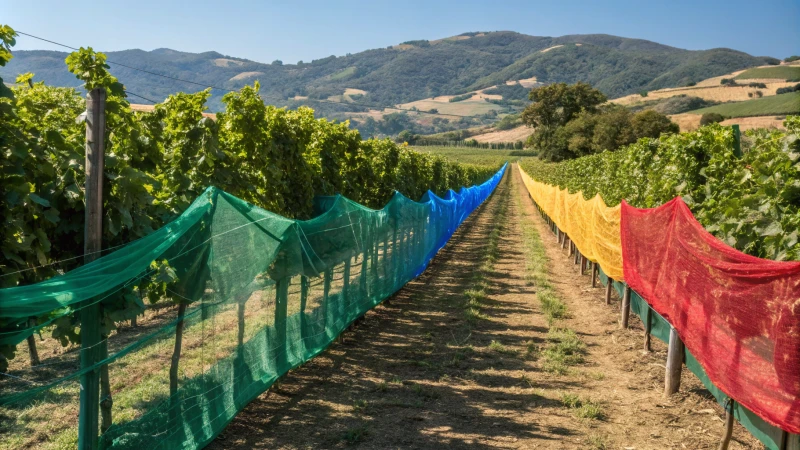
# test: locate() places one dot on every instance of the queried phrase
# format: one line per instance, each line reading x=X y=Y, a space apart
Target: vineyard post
x=726 y=435
x=93 y=231
x=675 y=351
x=626 y=307
x=609 y=286
x=737 y=141
x=594 y=274
x=648 y=326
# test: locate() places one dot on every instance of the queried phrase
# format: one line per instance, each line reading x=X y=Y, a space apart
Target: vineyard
x=703 y=294
x=241 y=252
x=238 y=285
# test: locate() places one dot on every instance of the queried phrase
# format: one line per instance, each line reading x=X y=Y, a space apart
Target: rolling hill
x=411 y=71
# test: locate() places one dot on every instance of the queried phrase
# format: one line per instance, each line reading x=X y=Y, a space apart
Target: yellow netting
x=592 y=226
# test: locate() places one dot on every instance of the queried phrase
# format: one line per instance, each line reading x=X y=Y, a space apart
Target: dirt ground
x=417 y=374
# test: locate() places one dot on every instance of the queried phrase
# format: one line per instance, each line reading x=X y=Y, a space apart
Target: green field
x=766 y=106
x=782 y=72
x=480 y=156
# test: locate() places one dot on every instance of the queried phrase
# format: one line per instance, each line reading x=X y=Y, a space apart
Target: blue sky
x=306 y=30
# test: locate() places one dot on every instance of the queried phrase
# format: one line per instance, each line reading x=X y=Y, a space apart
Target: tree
x=652 y=124
x=554 y=106
x=709 y=118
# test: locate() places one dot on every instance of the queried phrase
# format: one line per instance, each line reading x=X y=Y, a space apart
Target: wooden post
x=594 y=274
x=626 y=307
x=32 y=352
x=672 y=380
x=583 y=264
x=563 y=240
x=577 y=255
x=737 y=141
x=726 y=436
x=789 y=441
x=304 y=285
x=88 y=420
x=647 y=328
x=609 y=287
x=281 y=307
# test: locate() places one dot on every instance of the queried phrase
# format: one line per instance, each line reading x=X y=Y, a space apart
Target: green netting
x=241 y=297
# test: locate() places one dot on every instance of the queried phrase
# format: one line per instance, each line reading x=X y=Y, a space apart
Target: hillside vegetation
x=416 y=70
x=774 y=105
x=778 y=72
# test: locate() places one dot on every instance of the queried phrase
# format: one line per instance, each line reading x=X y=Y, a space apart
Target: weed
x=584 y=408
x=597 y=443
x=500 y=348
x=356 y=434
x=359 y=406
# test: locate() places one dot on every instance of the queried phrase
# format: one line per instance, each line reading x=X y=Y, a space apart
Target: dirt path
x=419 y=372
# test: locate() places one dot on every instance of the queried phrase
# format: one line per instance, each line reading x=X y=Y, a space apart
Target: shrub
x=461 y=98
x=728 y=82
x=758 y=85
x=791 y=58
x=682 y=104
x=643 y=93
x=652 y=124
x=709 y=118
x=788 y=89
x=759 y=94
x=771 y=61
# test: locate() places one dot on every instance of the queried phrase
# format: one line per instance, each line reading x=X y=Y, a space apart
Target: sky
x=305 y=30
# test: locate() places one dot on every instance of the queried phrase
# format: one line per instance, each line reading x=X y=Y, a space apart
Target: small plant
x=356 y=434
x=570 y=400
x=359 y=406
x=584 y=408
x=597 y=443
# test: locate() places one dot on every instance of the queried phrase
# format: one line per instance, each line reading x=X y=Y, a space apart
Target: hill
x=410 y=71
x=767 y=106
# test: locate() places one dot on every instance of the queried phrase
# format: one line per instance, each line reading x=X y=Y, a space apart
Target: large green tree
x=553 y=107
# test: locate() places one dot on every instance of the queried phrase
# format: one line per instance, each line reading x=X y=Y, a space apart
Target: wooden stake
x=726 y=436
x=88 y=419
x=609 y=287
x=672 y=379
x=647 y=328
x=626 y=307
x=594 y=274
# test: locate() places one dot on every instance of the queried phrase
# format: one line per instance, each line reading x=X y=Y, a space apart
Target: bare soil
x=417 y=374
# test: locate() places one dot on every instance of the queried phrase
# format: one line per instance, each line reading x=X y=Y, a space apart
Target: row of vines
x=751 y=202
x=158 y=163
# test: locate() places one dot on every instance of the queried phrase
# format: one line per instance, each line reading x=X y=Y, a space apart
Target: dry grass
x=224 y=62
x=246 y=75
x=519 y=133
x=690 y=122
x=715 y=93
x=471 y=107
x=151 y=108
x=551 y=48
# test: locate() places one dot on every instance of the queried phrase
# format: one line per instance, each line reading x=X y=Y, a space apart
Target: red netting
x=738 y=314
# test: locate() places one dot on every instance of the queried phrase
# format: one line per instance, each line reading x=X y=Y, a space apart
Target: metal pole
x=88 y=420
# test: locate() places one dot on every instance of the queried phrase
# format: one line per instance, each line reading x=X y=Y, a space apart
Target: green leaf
x=36 y=199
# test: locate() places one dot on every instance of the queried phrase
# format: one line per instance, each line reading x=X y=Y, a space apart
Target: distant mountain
x=413 y=70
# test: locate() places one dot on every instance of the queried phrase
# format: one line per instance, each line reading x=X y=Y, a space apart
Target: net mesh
x=243 y=295
x=738 y=314
x=590 y=224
